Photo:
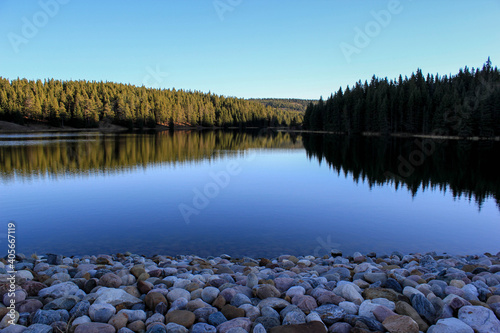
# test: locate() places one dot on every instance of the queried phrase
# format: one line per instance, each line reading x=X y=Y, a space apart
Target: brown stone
x=219 y=302
x=181 y=317
x=132 y=290
x=110 y=280
x=230 y=312
x=33 y=287
x=144 y=286
x=119 y=320
x=94 y=328
x=312 y=327
x=153 y=299
x=406 y=309
x=137 y=326
x=400 y=324
x=266 y=290
x=137 y=270
x=263 y=262
x=372 y=293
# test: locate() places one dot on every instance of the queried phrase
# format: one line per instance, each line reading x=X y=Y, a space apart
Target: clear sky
x=244 y=48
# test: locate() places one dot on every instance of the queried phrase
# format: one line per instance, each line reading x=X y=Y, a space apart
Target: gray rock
x=59 y=290
x=330 y=313
x=175 y=328
x=54 y=259
x=294 y=317
x=450 y=325
x=14 y=329
x=176 y=293
x=375 y=277
x=203 y=328
x=81 y=320
x=372 y=324
x=115 y=297
x=39 y=328
x=267 y=322
x=156 y=329
x=209 y=294
x=479 y=318
x=259 y=328
x=216 y=319
x=268 y=311
x=65 y=303
x=423 y=307
x=47 y=317
x=80 y=309
x=134 y=315
x=101 y=312
x=240 y=299
x=252 y=280
x=273 y=302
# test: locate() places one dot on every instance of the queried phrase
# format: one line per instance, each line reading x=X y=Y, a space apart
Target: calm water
x=247 y=194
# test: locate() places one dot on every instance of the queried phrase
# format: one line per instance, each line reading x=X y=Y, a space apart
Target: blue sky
x=244 y=48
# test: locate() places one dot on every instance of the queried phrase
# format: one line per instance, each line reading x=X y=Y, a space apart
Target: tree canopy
x=86 y=103
x=466 y=104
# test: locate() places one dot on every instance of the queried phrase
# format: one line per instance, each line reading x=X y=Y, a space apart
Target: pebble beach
x=128 y=293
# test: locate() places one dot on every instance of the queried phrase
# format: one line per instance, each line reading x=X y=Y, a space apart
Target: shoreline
x=361 y=293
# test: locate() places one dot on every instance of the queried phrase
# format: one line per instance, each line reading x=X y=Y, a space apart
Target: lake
x=255 y=194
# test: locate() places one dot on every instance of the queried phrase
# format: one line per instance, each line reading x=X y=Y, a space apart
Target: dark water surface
x=247 y=194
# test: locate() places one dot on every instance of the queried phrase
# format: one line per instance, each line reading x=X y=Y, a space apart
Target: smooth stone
x=479 y=318
x=101 y=312
x=340 y=328
x=203 y=328
x=349 y=292
x=240 y=299
x=305 y=302
x=389 y=294
x=81 y=320
x=209 y=294
x=273 y=302
x=94 y=328
x=176 y=293
x=17 y=296
x=375 y=277
x=295 y=291
x=176 y=328
x=267 y=322
x=330 y=313
x=119 y=320
x=38 y=328
x=180 y=317
x=450 y=325
x=47 y=317
x=382 y=312
x=244 y=323
x=294 y=317
x=400 y=324
x=406 y=309
x=259 y=329
x=423 y=307
x=65 y=303
x=116 y=297
x=134 y=315
x=366 y=309
x=202 y=314
x=216 y=319
x=33 y=287
x=269 y=312
x=264 y=291
x=349 y=307
x=30 y=306
x=231 y=312
x=80 y=309
x=59 y=290
x=153 y=298
x=252 y=280
x=314 y=326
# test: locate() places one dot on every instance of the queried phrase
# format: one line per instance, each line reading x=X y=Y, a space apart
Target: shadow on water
x=466 y=168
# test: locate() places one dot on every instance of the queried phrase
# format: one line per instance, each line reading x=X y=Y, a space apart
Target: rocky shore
x=364 y=293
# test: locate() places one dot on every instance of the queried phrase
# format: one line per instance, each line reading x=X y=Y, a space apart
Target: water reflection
x=466 y=168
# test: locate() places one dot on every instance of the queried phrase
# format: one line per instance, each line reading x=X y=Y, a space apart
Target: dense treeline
x=86 y=103
x=463 y=167
x=286 y=104
x=466 y=104
x=95 y=153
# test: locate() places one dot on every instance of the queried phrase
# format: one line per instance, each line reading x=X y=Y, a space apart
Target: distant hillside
x=285 y=104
